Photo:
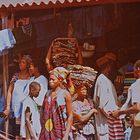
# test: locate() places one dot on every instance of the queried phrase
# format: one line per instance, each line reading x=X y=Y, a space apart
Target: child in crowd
x=30 y=119
x=57 y=113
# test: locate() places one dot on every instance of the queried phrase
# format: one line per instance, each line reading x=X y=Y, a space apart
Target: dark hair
x=38 y=65
x=33 y=85
x=137 y=64
x=109 y=63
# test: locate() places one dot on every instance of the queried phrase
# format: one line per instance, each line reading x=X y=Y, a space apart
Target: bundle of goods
x=82 y=75
x=64 y=52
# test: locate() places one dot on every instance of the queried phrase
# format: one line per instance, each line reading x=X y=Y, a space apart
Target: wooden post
x=4 y=17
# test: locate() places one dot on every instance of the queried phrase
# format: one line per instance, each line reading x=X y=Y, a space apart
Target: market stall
x=11 y=8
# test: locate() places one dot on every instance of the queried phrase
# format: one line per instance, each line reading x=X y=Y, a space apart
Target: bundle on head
x=82 y=75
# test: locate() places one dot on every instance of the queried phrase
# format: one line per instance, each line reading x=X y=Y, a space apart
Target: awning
x=22 y=3
x=15 y=3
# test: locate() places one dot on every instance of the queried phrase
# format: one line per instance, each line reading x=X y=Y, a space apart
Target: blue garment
x=18 y=96
x=1 y=109
x=7 y=39
x=128 y=132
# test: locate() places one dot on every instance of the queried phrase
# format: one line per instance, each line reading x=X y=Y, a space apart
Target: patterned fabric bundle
x=129 y=79
x=82 y=75
x=64 y=52
x=116 y=131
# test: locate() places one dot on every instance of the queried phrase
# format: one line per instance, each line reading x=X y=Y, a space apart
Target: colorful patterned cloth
x=116 y=131
x=82 y=75
x=54 y=117
x=64 y=52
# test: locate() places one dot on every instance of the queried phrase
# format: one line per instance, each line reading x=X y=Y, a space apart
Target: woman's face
x=53 y=81
x=23 y=64
x=31 y=69
x=82 y=92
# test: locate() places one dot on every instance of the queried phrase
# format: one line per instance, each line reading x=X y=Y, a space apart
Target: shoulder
x=101 y=79
x=14 y=78
x=75 y=105
x=67 y=94
x=42 y=79
x=135 y=84
x=26 y=101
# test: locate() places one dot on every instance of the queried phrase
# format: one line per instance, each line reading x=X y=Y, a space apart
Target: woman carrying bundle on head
x=64 y=51
x=83 y=108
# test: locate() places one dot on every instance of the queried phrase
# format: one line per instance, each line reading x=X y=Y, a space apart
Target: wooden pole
x=4 y=17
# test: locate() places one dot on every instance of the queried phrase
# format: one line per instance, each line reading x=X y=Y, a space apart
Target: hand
x=47 y=61
x=115 y=113
x=95 y=111
x=33 y=137
x=65 y=137
x=5 y=113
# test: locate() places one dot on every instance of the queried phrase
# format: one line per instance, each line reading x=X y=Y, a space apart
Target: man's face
x=35 y=91
x=137 y=72
x=113 y=71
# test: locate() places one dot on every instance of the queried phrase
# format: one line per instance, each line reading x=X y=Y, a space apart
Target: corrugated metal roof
x=14 y=3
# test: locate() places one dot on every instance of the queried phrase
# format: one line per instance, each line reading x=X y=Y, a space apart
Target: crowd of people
x=59 y=107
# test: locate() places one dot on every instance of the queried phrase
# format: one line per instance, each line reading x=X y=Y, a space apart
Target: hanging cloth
x=7 y=39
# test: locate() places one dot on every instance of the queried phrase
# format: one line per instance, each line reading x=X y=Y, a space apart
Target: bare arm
x=48 y=58
x=85 y=118
x=8 y=100
x=70 y=115
x=131 y=110
x=80 y=58
x=28 y=122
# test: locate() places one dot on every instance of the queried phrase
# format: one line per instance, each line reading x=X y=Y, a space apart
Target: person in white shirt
x=134 y=101
x=105 y=97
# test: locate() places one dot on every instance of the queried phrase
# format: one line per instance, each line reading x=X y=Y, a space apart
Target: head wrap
x=64 y=76
x=61 y=73
x=82 y=75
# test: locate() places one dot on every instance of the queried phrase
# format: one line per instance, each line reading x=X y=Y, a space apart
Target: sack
x=137 y=120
